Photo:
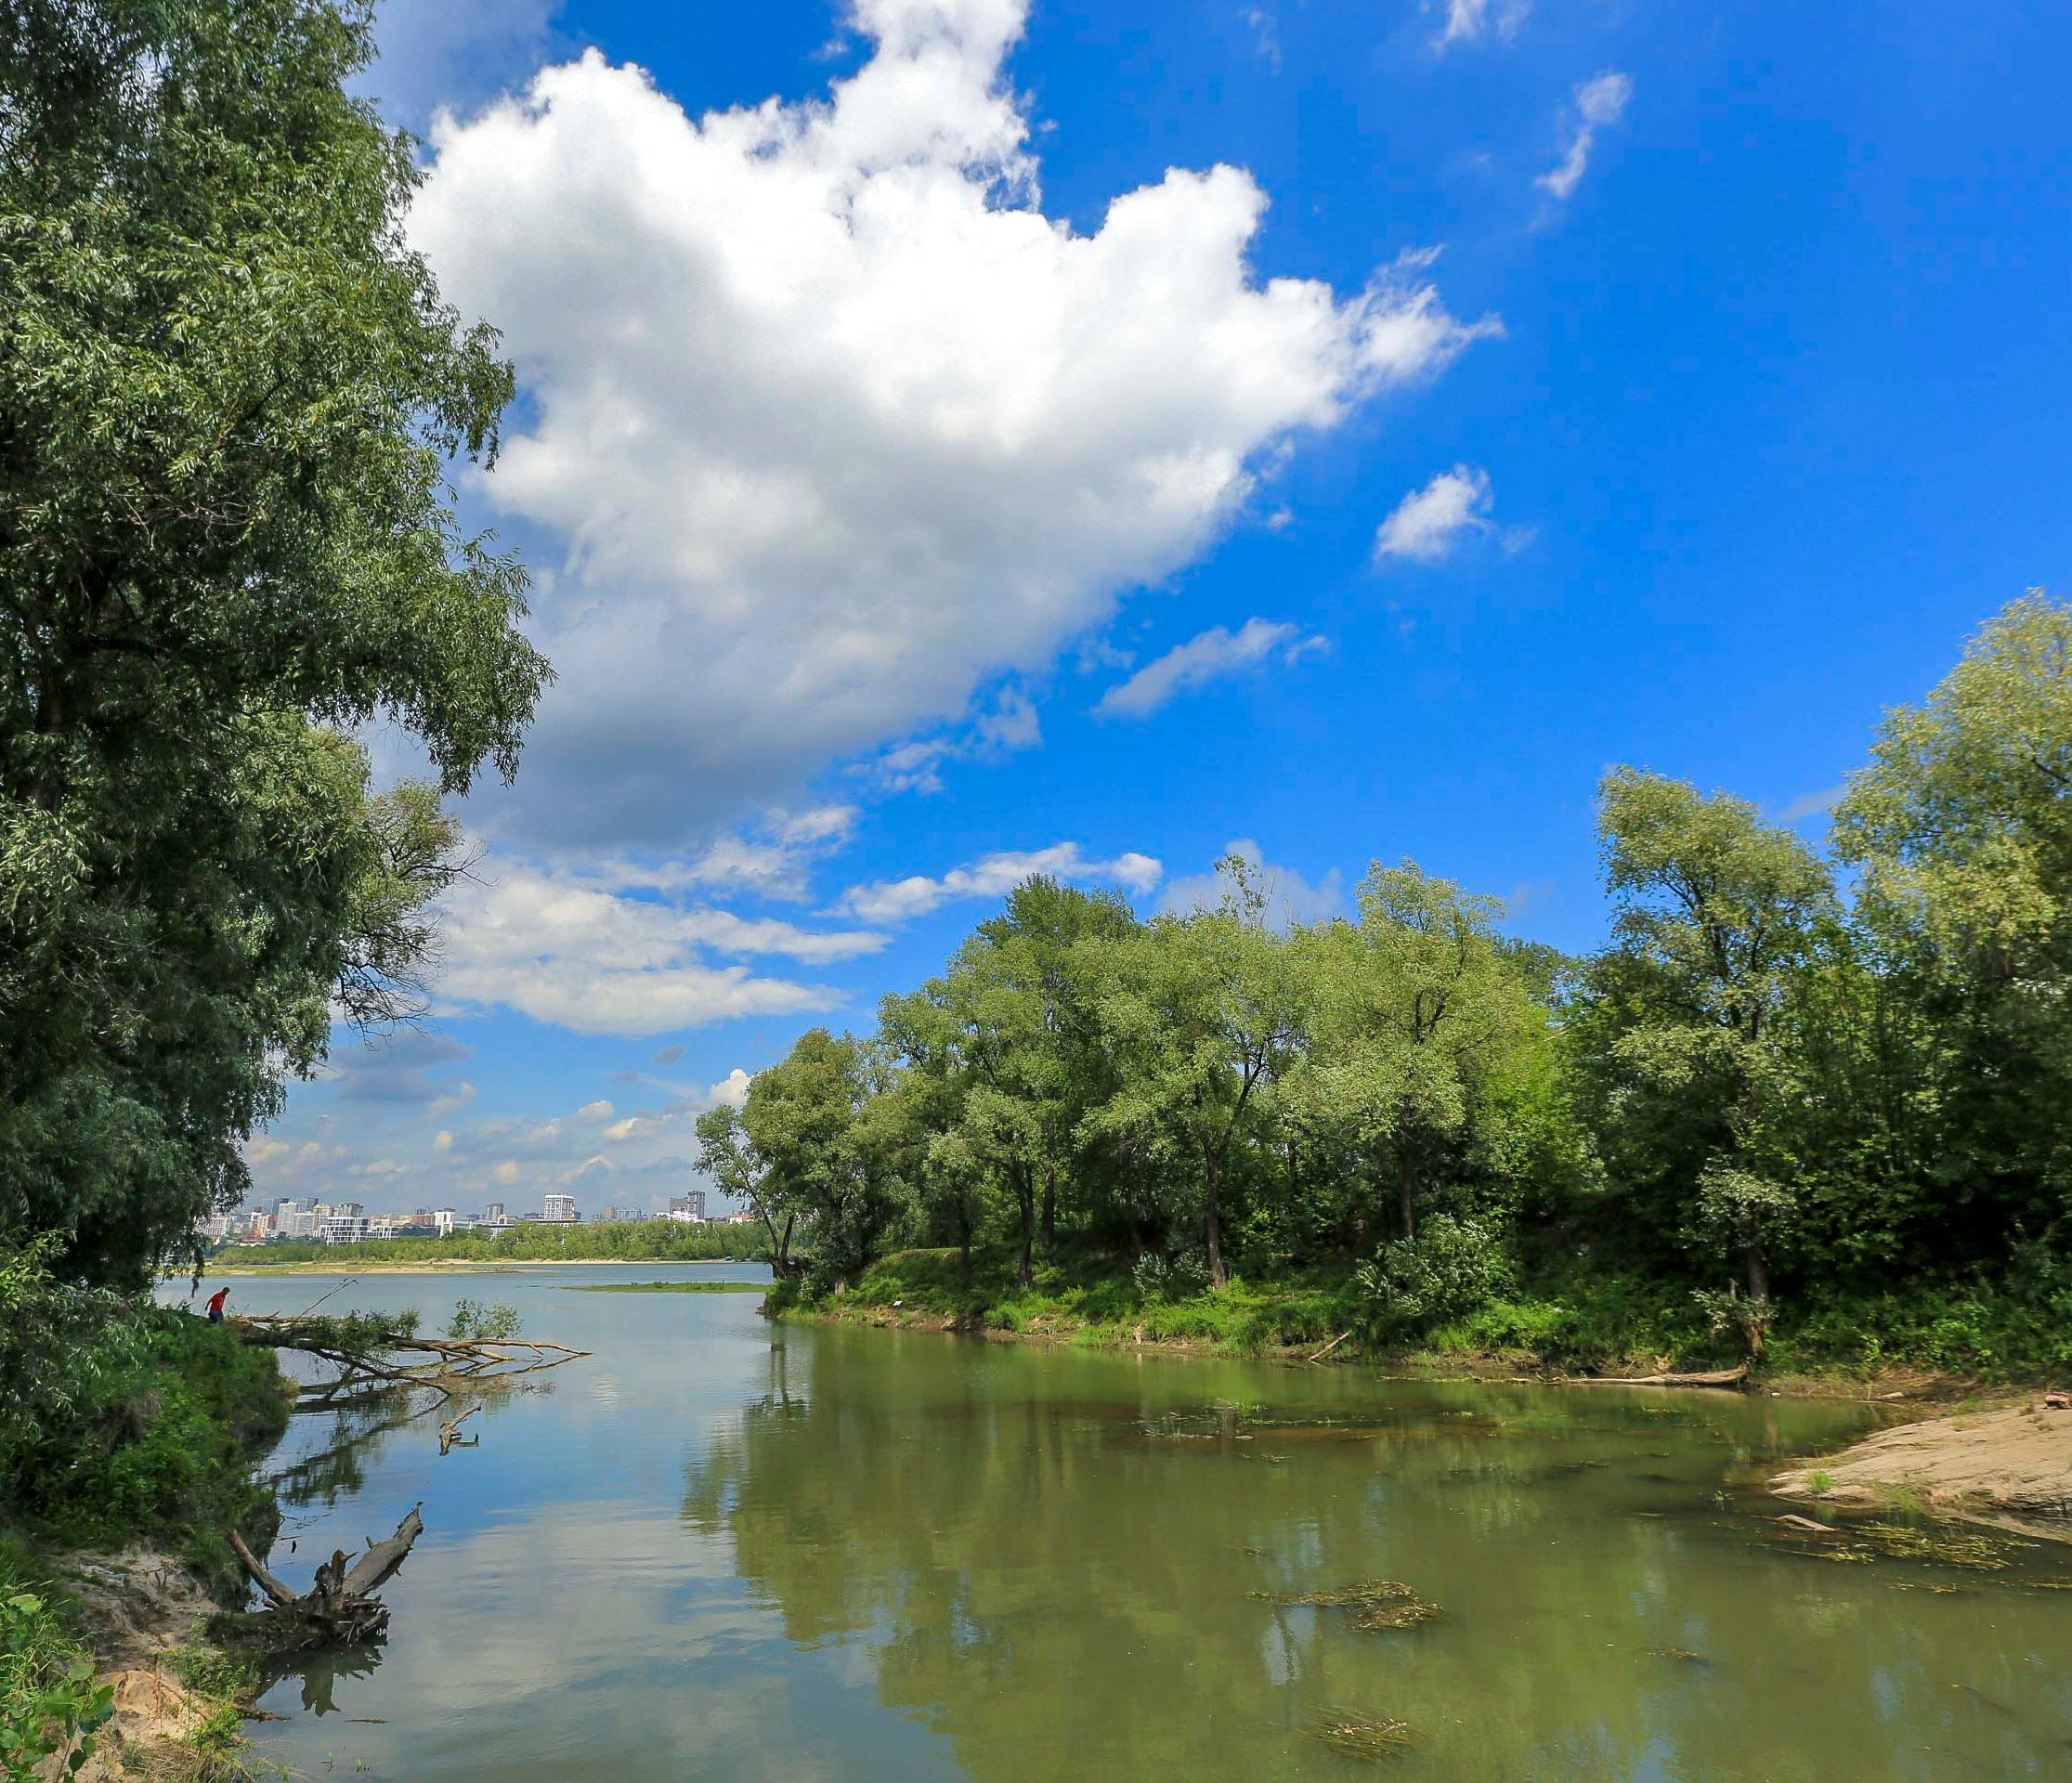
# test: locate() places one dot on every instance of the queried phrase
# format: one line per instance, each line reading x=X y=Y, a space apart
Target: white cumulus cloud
x=572 y=950
x=898 y=900
x=1427 y=522
x=1214 y=654
x=836 y=426
x=1599 y=103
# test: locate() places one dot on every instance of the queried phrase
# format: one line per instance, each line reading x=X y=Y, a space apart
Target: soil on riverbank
x=2009 y=1466
x=142 y=1614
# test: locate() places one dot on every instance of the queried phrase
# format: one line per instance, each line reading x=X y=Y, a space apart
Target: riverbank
x=2009 y=1465
x=113 y=1550
x=1937 y=1353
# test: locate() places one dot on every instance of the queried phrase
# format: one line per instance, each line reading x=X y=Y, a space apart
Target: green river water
x=718 y=1548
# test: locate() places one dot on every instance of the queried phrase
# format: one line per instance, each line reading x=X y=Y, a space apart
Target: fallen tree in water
x=1728 y=1377
x=374 y=1355
x=340 y=1608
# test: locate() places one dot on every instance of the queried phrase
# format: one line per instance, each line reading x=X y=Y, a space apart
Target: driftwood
x=1729 y=1377
x=1330 y=1347
x=340 y=1608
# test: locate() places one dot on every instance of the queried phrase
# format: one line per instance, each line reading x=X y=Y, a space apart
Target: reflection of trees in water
x=360 y=1434
x=1071 y=1586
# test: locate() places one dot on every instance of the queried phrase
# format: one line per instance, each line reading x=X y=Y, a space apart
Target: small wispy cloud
x=1427 y=522
x=1599 y=104
x=1265 y=33
x=1811 y=805
x=1470 y=21
x=1214 y=654
x=994 y=876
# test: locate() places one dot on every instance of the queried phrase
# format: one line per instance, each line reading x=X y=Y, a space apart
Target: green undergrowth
x=162 y=1417
x=1555 y=1322
x=50 y=1707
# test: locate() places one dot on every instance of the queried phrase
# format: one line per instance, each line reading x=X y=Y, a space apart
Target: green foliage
x=142 y=1425
x=490 y=1321
x=1450 y=1268
x=228 y=400
x=50 y=1707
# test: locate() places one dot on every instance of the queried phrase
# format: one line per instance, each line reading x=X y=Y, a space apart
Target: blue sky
x=1539 y=388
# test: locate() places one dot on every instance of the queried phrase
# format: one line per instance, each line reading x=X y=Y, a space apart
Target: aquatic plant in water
x=1373 y=1738
x=1375 y=1603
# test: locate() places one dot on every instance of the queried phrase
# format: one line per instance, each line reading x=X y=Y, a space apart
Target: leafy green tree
x=1423 y=1016
x=1202 y=1014
x=1685 y=1033
x=726 y=1155
x=822 y=1152
x=228 y=397
x=1960 y=830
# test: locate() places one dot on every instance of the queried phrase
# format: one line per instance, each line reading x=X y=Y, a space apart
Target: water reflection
x=1055 y=1579
x=723 y=1550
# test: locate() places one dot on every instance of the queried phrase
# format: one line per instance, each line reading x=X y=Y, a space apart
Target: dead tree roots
x=340 y=1608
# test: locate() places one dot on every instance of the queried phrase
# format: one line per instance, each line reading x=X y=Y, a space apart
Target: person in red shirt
x=216 y=1305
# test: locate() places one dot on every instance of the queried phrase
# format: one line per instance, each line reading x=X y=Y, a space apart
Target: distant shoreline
x=463 y=1265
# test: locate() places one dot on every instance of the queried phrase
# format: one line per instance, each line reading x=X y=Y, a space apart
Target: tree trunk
x=1025 y=1195
x=1219 y=1277
x=964 y=1239
x=1406 y=1191
x=1049 y=1202
x=1758 y=1300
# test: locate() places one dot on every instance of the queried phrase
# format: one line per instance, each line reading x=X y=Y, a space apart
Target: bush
x=49 y=1703
x=1451 y=1268
x=131 y=1422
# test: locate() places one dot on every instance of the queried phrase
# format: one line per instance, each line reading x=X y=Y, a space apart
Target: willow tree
x=1201 y=1014
x=1425 y=1017
x=1960 y=828
x=228 y=398
x=1684 y=1037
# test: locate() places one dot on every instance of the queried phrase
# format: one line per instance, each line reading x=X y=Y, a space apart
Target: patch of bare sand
x=2011 y=1466
x=137 y=1607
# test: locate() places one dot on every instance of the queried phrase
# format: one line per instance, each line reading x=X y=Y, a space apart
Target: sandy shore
x=2009 y=1466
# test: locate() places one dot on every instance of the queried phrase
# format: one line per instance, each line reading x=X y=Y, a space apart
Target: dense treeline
x=633 y=1240
x=1790 y=1074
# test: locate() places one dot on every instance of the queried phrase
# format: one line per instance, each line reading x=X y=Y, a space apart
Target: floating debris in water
x=1855 y=1556
x=1376 y=1604
x=1940 y=1545
x=1683 y=1655
x=1947 y=1547
x=1365 y=1737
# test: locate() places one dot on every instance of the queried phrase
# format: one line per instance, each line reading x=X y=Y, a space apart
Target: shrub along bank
x=2015 y=1326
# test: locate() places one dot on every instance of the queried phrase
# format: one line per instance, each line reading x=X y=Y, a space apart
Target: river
x=716 y=1548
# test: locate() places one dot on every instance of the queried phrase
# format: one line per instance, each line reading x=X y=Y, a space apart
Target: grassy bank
x=1968 y=1329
